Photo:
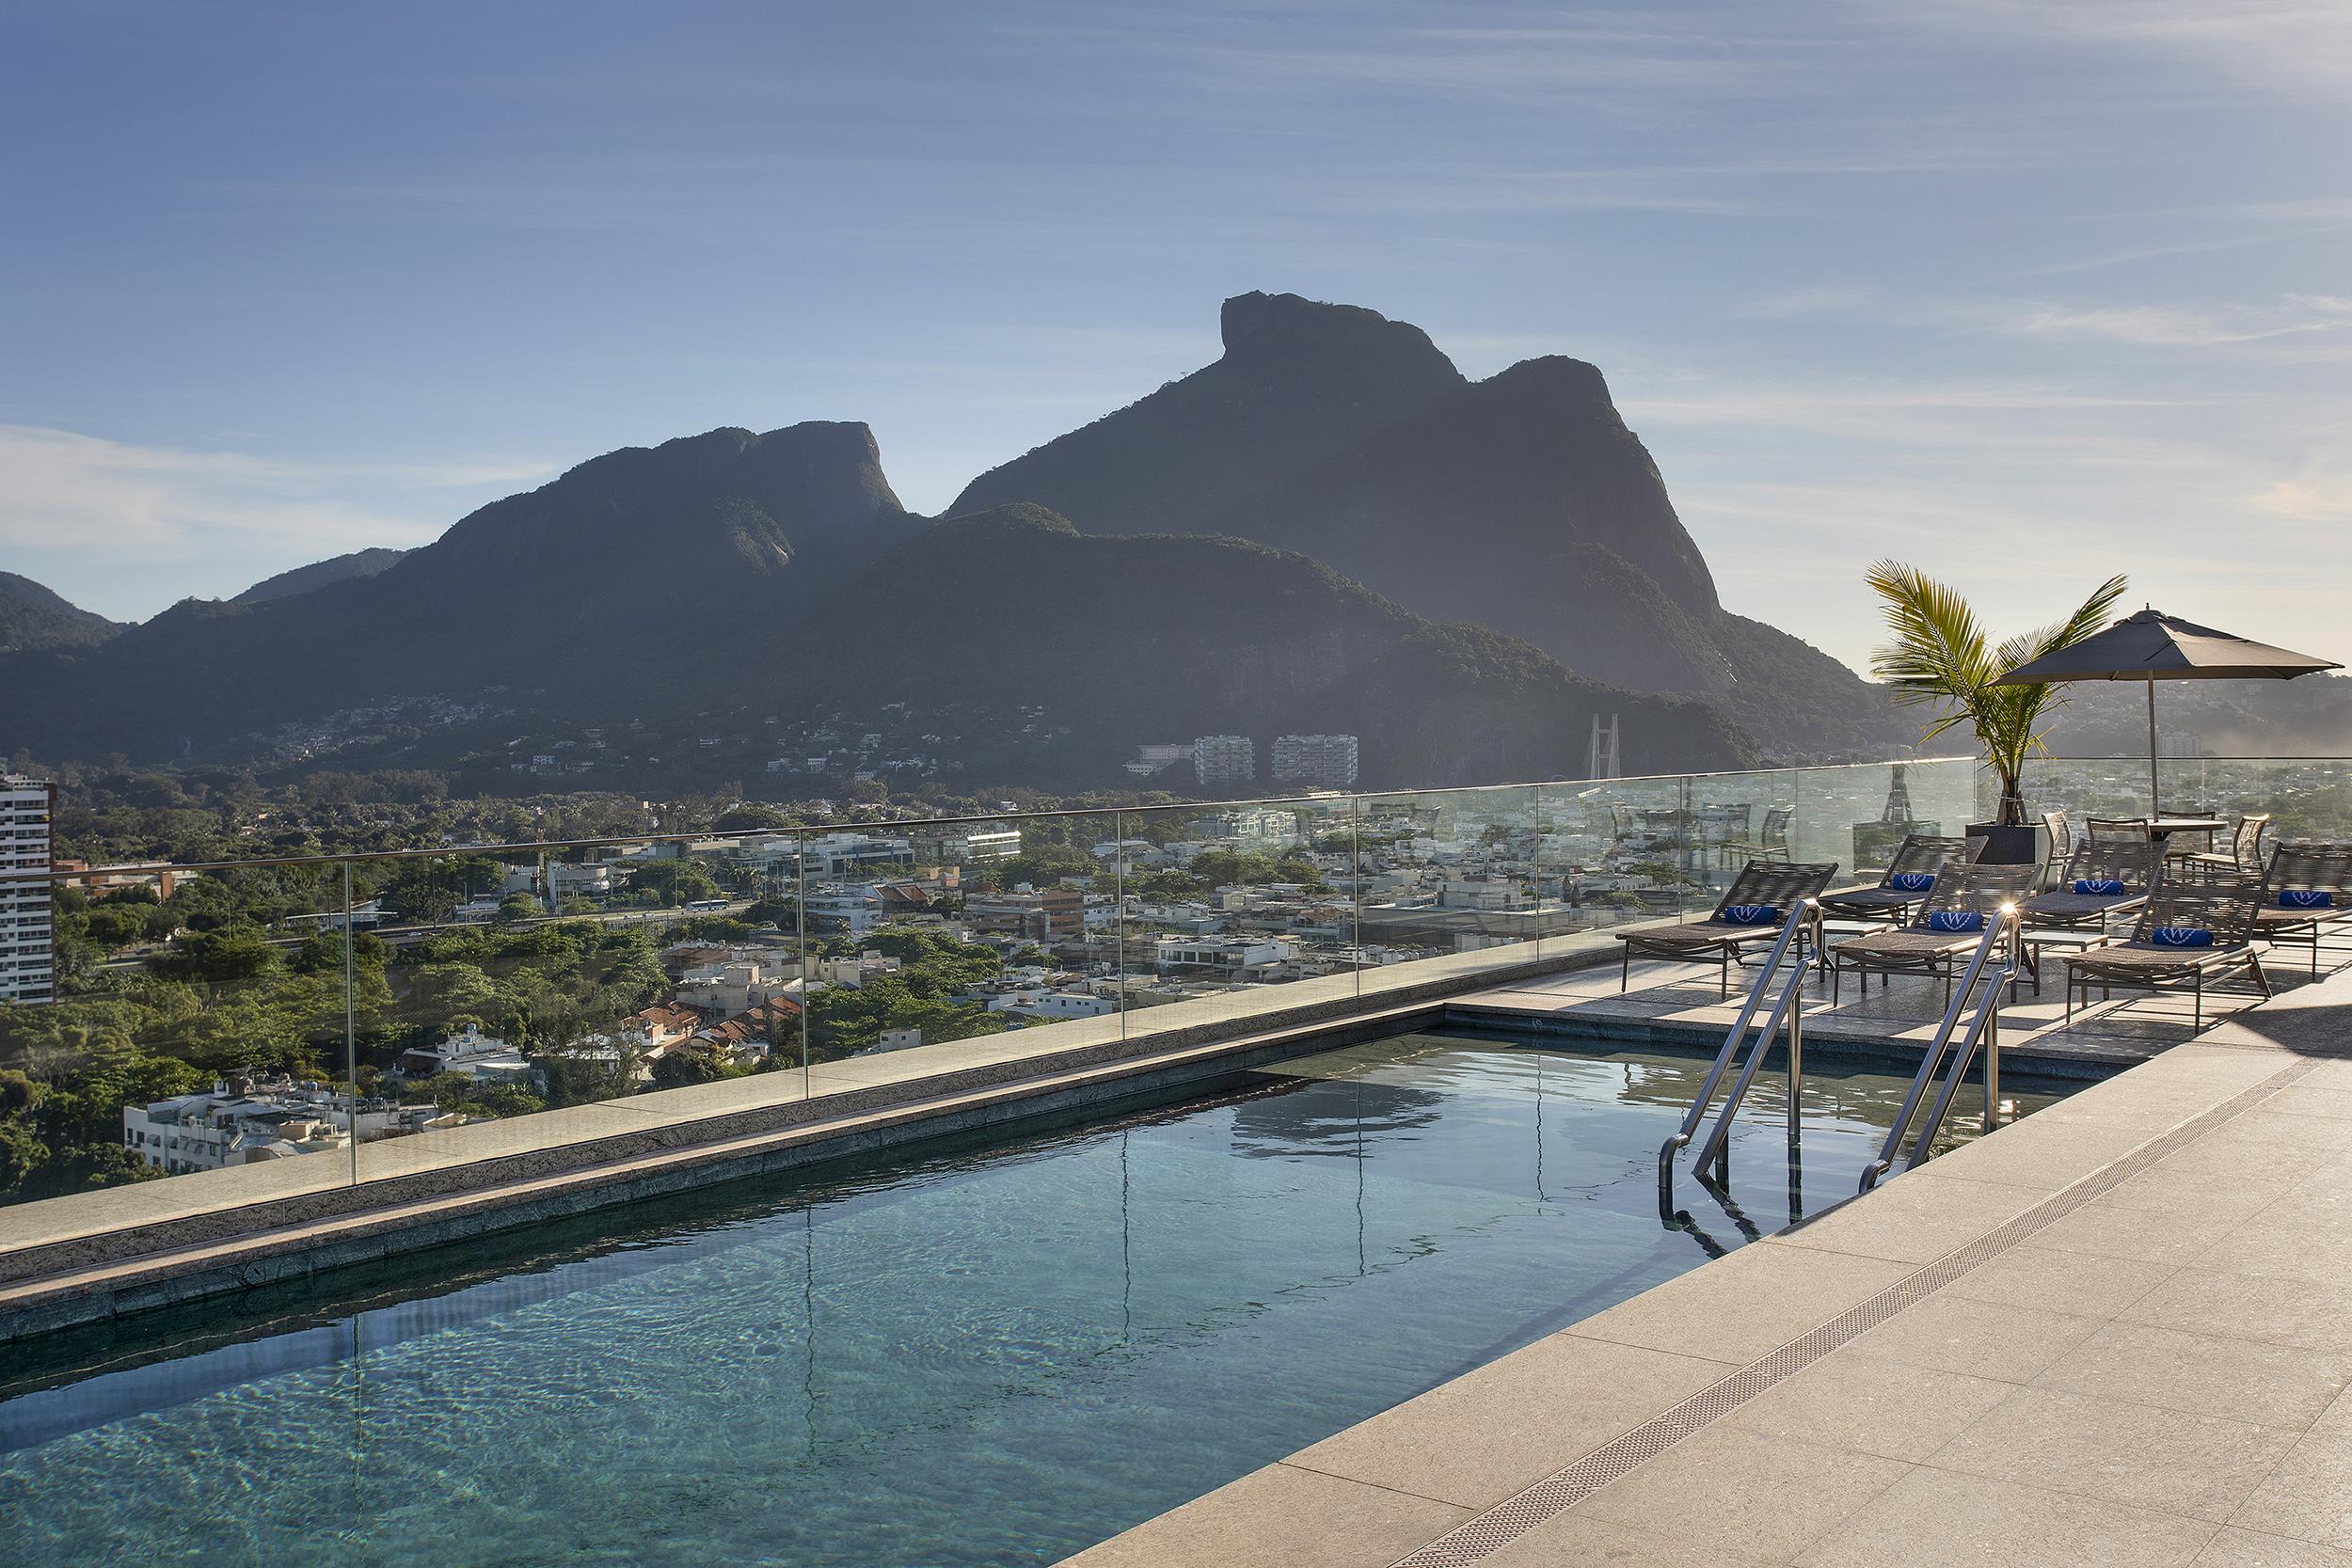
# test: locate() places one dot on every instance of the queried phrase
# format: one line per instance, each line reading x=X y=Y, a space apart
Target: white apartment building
x=1327 y=760
x=1236 y=955
x=1050 y=1003
x=27 y=968
x=236 y=1124
x=1258 y=825
x=967 y=845
x=1224 y=760
x=1150 y=760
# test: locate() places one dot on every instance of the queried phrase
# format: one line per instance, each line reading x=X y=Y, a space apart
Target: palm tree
x=1939 y=653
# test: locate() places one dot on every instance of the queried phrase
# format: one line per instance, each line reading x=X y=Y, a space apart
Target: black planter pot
x=2025 y=844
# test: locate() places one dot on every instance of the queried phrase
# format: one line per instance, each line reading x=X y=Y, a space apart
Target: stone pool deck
x=2117 y=1333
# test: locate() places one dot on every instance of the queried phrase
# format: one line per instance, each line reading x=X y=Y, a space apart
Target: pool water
x=990 y=1355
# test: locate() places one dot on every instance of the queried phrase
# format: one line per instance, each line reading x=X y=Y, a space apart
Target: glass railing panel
x=529 y=998
x=160 y=1027
x=993 y=939
x=1236 y=908
x=2306 y=797
x=1856 y=816
x=1457 y=880
x=1632 y=848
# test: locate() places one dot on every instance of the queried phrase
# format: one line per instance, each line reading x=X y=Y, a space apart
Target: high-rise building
x=1224 y=760
x=1328 y=760
x=27 y=967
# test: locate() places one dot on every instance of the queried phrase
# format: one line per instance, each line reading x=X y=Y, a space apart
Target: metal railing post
x=1793 y=934
x=1931 y=1061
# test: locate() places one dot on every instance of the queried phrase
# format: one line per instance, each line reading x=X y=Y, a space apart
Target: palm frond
x=1938 y=652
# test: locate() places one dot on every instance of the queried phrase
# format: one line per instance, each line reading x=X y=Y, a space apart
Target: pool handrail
x=2000 y=934
x=1800 y=930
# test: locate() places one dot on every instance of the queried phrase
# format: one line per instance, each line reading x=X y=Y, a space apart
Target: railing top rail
x=902 y=825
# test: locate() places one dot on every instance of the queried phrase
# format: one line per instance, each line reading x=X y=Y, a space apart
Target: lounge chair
x=2100 y=880
x=1750 y=914
x=2061 y=832
x=2245 y=852
x=2309 y=888
x=1910 y=877
x=2190 y=934
x=1941 y=933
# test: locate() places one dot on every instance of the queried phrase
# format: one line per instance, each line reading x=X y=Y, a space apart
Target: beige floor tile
x=1500 y=1429
x=2227 y=1153
x=2275 y=1246
x=1728 y=1491
x=2176 y=1236
x=1916 y=1219
x=1975 y=1338
x=1741 y=1307
x=1876 y=1407
x=1935 y=1519
x=2202 y=1374
x=1281 y=1517
x=2312 y=1100
x=1581 y=1541
x=2070 y=1282
x=2201 y=1195
x=2245 y=1307
x=2310 y=1495
x=2045 y=1156
x=2201 y=1465
x=2244 y=1549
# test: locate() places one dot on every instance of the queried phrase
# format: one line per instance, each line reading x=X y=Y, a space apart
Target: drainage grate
x=1505 y=1523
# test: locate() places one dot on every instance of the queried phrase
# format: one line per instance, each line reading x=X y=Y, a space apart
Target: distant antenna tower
x=1602 y=762
x=1897 y=798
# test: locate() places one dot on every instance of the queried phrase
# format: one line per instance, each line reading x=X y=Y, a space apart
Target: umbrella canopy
x=2152 y=647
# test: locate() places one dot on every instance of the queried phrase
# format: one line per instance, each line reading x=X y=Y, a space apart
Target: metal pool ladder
x=1984 y=1027
x=1785 y=967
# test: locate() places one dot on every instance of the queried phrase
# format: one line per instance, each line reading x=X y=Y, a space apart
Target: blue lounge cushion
x=1912 y=881
x=2180 y=936
x=1750 y=914
x=1956 y=920
x=2306 y=898
x=2099 y=887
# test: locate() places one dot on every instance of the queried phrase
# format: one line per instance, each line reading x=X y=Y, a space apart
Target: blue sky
x=2019 y=291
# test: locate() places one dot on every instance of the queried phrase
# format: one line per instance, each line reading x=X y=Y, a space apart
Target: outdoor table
x=2161 y=830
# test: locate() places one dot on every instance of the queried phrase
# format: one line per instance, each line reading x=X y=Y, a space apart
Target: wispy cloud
x=2277 y=44
x=65 y=496
x=2147 y=324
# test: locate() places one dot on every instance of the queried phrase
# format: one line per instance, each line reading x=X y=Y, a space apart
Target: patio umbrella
x=2152 y=647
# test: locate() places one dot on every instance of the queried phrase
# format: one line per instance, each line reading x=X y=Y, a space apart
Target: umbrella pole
x=2153 y=809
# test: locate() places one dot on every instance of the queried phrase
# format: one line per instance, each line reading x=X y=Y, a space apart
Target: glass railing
x=239 y=1032
x=2306 y=797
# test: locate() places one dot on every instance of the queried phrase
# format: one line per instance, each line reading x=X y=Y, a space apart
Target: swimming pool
x=979 y=1355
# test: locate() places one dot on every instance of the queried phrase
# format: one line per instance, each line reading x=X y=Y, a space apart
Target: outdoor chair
x=2245 y=852
x=1912 y=872
x=1941 y=933
x=2189 y=935
x=2117 y=830
x=1724 y=829
x=2100 y=879
x=2309 y=888
x=2062 y=844
x=1750 y=914
x=1772 y=840
x=2098 y=882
